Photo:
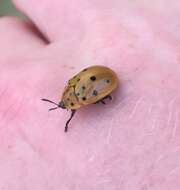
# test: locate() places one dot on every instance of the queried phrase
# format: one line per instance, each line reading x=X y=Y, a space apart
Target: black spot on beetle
x=84 y=98
x=83 y=87
x=108 y=81
x=95 y=93
x=72 y=104
x=93 y=78
x=77 y=94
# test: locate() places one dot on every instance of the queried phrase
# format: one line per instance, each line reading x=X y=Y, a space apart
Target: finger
x=56 y=19
x=18 y=37
x=59 y=19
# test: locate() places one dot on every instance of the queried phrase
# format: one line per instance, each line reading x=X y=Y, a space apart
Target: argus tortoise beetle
x=92 y=85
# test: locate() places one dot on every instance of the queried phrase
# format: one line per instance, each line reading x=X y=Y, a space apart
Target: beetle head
x=62 y=105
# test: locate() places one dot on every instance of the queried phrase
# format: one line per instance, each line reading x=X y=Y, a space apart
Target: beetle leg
x=72 y=114
x=109 y=96
x=102 y=101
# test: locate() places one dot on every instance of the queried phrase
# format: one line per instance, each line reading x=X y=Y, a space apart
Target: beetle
x=90 y=86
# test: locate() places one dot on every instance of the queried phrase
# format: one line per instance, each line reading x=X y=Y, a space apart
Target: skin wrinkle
x=125 y=102
x=159 y=158
x=174 y=129
x=154 y=123
x=91 y=158
x=150 y=109
x=153 y=119
x=171 y=42
x=3 y=92
x=170 y=116
x=110 y=130
x=33 y=148
x=106 y=169
x=170 y=107
x=135 y=107
x=149 y=176
x=25 y=138
x=8 y=110
x=161 y=161
x=10 y=114
x=165 y=155
x=109 y=136
x=173 y=171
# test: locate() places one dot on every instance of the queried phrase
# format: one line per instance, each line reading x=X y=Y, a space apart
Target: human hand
x=131 y=142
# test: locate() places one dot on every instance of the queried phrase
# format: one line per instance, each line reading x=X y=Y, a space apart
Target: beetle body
x=89 y=86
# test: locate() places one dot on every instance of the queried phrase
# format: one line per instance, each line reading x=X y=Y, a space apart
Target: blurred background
x=7 y=8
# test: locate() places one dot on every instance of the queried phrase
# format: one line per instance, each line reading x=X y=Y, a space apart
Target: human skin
x=132 y=142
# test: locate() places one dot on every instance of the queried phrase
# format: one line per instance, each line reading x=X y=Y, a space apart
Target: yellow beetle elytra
x=92 y=85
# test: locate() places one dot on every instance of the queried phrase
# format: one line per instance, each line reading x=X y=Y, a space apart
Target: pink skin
x=132 y=142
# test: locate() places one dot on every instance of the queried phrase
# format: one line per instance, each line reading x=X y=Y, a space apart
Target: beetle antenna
x=53 y=108
x=43 y=99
